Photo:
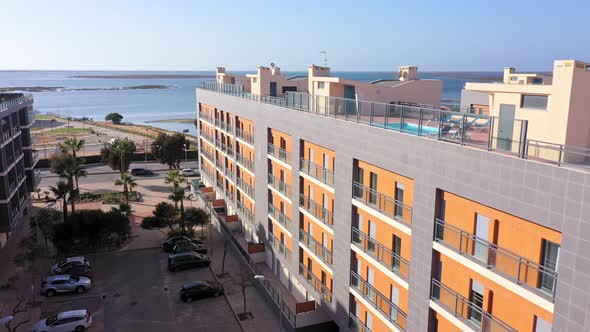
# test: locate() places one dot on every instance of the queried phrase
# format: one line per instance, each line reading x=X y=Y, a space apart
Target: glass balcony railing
x=384 y=305
x=459 y=306
x=35 y=158
x=37 y=177
x=314 y=246
x=383 y=203
x=219 y=164
x=207 y=137
x=247 y=188
x=381 y=253
x=356 y=325
x=279 y=185
x=205 y=170
x=521 y=270
x=278 y=247
x=279 y=216
x=278 y=152
x=317 y=172
x=315 y=209
x=206 y=117
x=245 y=211
x=245 y=136
x=207 y=154
x=249 y=164
x=315 y=282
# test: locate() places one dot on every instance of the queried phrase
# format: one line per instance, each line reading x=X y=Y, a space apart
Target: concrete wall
x=557 y=198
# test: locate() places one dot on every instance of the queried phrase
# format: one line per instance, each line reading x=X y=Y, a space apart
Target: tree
x=128 y=184
x=61 y=191
x=17 y=309
x=114 y=117
x=67 y=167
x=166 y=212
x=175 y=178
x=196 y=217
x=71 y=146
x=124 y=209
x=118 y=155
x=169 y=149
x=179 y=195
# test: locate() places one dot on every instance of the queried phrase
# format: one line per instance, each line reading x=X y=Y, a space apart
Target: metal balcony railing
x=384 y=305
x=16 y=101
x=279 y=247
x=383 y=203
x=520 y=269
x=279 y=216
x=356 y=325
x=459 y=306
x=279 y=185
x=244 y=136
x=317 y=172
x=249 y=164
x=315 y=282
x=247 y=188
x=317 y=248
x=318 y=211
x=278 y=152
x=381 y=253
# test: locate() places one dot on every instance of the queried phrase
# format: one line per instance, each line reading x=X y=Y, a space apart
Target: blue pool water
x=412 y=128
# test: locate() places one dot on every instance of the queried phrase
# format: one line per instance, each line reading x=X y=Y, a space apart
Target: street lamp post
x=184 y=131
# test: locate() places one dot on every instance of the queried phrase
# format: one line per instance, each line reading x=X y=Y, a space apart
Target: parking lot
x=133 y=291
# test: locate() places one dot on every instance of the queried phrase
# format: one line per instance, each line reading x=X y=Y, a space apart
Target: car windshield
x=193 y=284
x=74 y=278
x=50 y=320
x=62 y=263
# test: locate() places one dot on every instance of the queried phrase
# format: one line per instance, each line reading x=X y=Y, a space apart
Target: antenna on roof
x=324 y=57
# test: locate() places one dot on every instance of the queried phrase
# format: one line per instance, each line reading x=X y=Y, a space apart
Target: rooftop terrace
x=472 y=130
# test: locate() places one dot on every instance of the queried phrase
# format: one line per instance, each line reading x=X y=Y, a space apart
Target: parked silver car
x=63 y=283
x=68 y=262
x=75 y=320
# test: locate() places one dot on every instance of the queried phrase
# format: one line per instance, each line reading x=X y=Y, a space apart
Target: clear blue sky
x=358 y=35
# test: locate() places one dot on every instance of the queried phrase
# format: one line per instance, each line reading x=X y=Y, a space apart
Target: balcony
x=207 y=137
x=245 y=136
x=36 y=178
x=246 y=188
x=381 y=253
x=279 y=185
x=315 y=283
x=230 y=194
x=219 y=164
x=384 y=204
x=278 y=152
x=244 y=210
x=35 y=158
x=227 y=172
x=279 y=216
x=519 y=269
x=205 y=170
x=469 y=313
x=278 y=247
x=390 y=310
x=206 y=117
x=324 y=215
x=314 y=246
x=207 y=154
x=249 y=164
x=30 y=117
x=228 y=128
x=356 y=325
x=317 y=172
x=217 y=122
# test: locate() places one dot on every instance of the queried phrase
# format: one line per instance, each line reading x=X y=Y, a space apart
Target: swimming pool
x=411 y=128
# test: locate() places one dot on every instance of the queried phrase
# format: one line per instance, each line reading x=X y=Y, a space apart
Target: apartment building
x=555 y=106
x=18 y=176
x=392 y=215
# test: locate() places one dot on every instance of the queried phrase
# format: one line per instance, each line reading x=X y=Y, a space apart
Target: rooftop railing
x=16 y=101
x=279 y=216
x=317 y=172
x=475 y=130
x=501 y=260
x=315 y=282
x=460 y=306
x=279 y=185
x=383 y=203
x=317 y=248
x=249 y=164
x=318 y=211
x=384 y=305
x=356 y=325
x=381 y=253
x=277 y=152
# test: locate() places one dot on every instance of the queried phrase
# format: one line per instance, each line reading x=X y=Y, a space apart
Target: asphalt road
x=133 y=291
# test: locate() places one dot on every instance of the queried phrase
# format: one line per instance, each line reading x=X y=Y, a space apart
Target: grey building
x=18 y=177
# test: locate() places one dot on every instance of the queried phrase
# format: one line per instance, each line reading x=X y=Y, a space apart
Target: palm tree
x=71 y=146
x=178 y=195
x=175 y=177
x=128 y=184
x=122 y=148
x=70 y=169
x=61 y=191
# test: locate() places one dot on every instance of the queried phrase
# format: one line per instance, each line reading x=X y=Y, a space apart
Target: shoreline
x=146 y=76
x=171 y=121
x=61 y=88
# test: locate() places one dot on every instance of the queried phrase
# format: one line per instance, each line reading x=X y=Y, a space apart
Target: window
x=321 y=85
x=373 y=185
x=541 y=325
x=254 y=79
x=397 y=248
x=534 y=101
x=399 y=197
x=476 y=299
x=514 y=78
x=549 y=258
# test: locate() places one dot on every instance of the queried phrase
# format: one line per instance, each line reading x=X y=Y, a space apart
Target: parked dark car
x=187 y=260
x=169 y=244
x=141 y=171
x=79 y=271
x=199 y=290
x=189 y=247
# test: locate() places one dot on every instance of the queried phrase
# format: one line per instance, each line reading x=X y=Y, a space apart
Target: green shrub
x=150 y=222
x=189 y=232
x=117 y=198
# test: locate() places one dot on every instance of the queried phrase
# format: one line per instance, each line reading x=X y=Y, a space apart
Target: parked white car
x=67 y=321
x=190 y=172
